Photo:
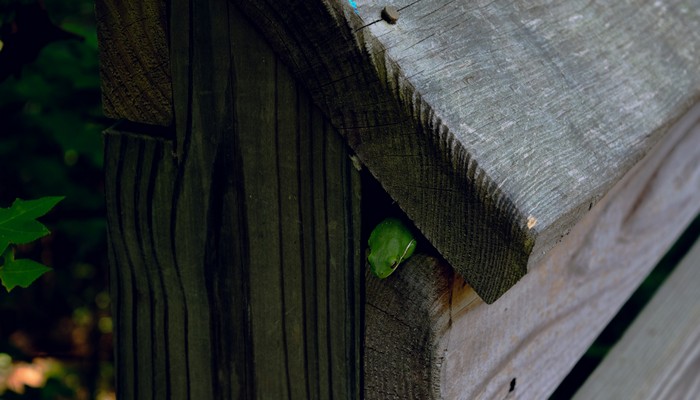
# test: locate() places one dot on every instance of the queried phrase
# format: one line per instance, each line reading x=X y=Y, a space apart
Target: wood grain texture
x=405 y=315
x=659 y=355
x=524 y=345
x=536 y=332
x=495 y=125
x=134 y=60
x=236 y=262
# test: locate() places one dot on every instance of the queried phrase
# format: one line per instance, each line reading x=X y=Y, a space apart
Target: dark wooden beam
x=235 y=242
x=135 y=61
x=406 y=317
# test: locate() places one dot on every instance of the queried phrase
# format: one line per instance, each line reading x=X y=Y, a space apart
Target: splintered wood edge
x=403 y=143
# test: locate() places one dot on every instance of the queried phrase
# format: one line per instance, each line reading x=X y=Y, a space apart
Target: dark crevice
x=147 y=130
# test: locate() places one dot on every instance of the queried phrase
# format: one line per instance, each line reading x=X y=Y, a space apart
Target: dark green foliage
x=27 y=29
x=18 y=225
x=50 y=144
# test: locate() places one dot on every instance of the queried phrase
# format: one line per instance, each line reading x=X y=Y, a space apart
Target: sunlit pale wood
x=538 y=330
x=659 y=355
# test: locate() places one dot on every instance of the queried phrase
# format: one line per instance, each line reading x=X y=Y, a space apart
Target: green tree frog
x=390 y=243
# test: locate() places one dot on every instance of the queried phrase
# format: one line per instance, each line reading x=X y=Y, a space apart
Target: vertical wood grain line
x=121 y=300
x=130 y=295
x=280 y=238
x=350 y=320
x=302 y=243
x=144 y=299
x=326 y=243
x=242 y=324
x=116 y=288
x=313 y=281
x=156 y=159
x=320 y=251
x=177 y=189
x=181 y=54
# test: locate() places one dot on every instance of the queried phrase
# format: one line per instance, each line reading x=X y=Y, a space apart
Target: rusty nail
x=390 y=14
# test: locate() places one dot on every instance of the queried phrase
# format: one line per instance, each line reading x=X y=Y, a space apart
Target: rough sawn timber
x=134 y=61
x=235 y=256
x=405 y=317
x=538 y=331
x=495 y=125
x=524 y=345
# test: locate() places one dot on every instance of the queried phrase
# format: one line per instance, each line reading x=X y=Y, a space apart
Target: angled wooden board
x=494 y=125
x=659 y=355
x=428 y=335
x=538 y=331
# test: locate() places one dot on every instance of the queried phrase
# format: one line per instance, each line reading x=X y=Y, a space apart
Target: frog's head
x=382 y=266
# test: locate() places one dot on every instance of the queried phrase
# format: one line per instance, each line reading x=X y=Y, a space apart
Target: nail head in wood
x=390 y=14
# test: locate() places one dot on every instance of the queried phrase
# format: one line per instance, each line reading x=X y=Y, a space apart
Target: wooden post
x=235 y=253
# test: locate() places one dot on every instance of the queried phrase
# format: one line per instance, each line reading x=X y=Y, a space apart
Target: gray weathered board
x=495 y=125
x=428 y=336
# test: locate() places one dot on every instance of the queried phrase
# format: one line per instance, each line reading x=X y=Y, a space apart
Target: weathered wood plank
x=539 y=330
x=658 y=356
x=405 y=315
x=134 y=61
x=149 y=308
x=514 y=119
x=525 y=344
x=235 y=256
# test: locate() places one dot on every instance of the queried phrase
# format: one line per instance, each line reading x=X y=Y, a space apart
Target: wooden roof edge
x=401 y=140
x=561 y=227
x=483 y=230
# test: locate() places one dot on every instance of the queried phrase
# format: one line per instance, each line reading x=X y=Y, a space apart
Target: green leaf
x=18 y=224
x=20 y=272
x=30 y=209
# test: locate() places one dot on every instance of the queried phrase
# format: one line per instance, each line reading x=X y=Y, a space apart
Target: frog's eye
x=394 y=264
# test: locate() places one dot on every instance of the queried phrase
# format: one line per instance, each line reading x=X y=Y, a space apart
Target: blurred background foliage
x=55 y=336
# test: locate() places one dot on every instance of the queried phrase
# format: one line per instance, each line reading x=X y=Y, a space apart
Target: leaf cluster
x=18 y=225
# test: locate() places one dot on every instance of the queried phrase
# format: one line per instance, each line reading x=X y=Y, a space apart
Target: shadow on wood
x=235 y=255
